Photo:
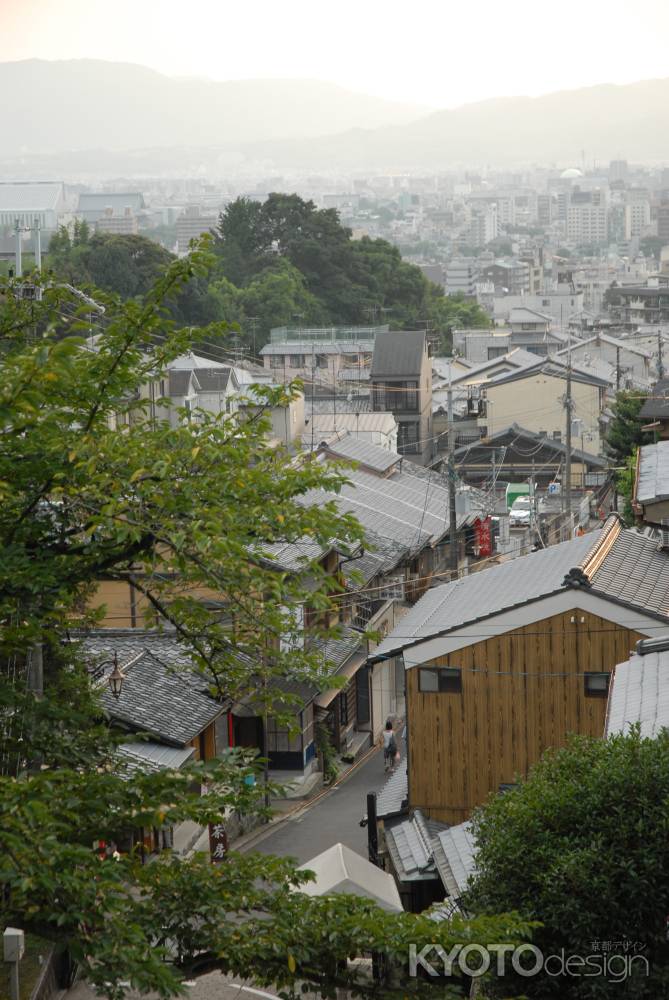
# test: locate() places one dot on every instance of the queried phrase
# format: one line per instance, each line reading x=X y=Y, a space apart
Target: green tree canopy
x=581 y=847
x=624 y=434
x=95 y=483
x=344 y=281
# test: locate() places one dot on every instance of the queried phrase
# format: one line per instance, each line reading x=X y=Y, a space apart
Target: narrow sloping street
x=333 y=817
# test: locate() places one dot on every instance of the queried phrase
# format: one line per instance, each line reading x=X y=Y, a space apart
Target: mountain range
x=119 y=117
x=92 y=104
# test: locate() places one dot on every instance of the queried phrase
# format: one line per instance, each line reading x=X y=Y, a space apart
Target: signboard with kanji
x=483 y=532
x=218 y=842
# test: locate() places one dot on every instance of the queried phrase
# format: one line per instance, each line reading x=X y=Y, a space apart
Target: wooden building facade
x=507 y=663
x=483 y=714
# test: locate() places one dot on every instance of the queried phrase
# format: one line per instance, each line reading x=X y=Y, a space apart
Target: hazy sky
x=435 y=52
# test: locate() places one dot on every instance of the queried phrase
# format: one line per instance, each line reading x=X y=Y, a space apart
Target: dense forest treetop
x=279 y=262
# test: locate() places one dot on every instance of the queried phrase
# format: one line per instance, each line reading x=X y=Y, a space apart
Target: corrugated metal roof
x=323 y=424
x=36 y=196
x=640 y=695
x=398 y=352
x=380 y=555
x=371 y=455
x=393 y=799
x=309 y=348
x=455 y=851
x=151 y=757
x=487 y=592
x=653 y=472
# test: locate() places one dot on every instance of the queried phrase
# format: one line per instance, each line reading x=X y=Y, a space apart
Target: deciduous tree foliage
x=581 y=847
x=95 y=483
x=352 y=281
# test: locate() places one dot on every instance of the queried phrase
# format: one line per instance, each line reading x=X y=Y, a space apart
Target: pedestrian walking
x=390 y=750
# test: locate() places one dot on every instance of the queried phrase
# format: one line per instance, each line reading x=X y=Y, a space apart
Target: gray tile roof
x=310 y=347
x=514 y=434
x=454 y=855
x=393 y=799
x=93 y=202
x=653 y=483
x=169 y=704
x=555 y=368
x=152 y=757
x=339 y=649
x=398 y=353
x=487 y=592
x=634 y=572
x=640 y=694
x=294 y=556
x=214 y=379
x=657 y=406
x=180 y=381
x=410 y=844
x=35 y=196
x=516 y=358
x=370 y=455
x=380 y=555
x=127 y=643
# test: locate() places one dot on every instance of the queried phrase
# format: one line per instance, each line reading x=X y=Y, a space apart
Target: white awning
x=341 y=870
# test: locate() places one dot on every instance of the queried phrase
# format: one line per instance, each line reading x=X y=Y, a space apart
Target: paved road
x=334 y=818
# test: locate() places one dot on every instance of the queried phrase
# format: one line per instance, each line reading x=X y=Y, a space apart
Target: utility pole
x=660 y=365
x=618 y=368
x=18 y=250
x=452 y=517
x=567 y=456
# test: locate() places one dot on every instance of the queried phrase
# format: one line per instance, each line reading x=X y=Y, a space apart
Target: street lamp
x=116 y=678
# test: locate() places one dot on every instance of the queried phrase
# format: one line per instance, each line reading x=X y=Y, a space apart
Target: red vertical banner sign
x=483 y=532
x=218 y=842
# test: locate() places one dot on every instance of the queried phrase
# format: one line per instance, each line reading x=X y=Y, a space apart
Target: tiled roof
x=454 y=854
x=169 y=704
x=398 y=352
x=338 y=649
x=180 y=381
x=293 y=556
x=410 y=844
x=640 y=694
x=487 y=592
x=554 y=368
x=516 y=434
x=214 y=379
x=92 y=202
x=24 y=197
x=653 y=483
x=370 y=455
x=393 y=799
x=658 y=404
x=309 y=348
x=633 y=571
x=516 y=359
x=380 y=555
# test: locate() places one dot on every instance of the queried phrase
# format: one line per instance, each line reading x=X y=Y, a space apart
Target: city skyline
x=374 y=49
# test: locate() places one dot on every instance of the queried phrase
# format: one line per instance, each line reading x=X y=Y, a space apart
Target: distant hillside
x=52 y=107
x=606 y=122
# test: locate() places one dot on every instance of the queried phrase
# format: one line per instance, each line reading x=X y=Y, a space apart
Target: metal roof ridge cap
x=598 y=552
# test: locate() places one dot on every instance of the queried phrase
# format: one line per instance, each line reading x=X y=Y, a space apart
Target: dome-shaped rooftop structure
x=571 y=173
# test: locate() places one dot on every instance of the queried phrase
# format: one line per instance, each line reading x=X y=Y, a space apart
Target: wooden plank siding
x=463 y=746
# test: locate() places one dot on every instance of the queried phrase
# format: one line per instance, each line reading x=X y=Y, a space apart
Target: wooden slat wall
x=464 y=746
